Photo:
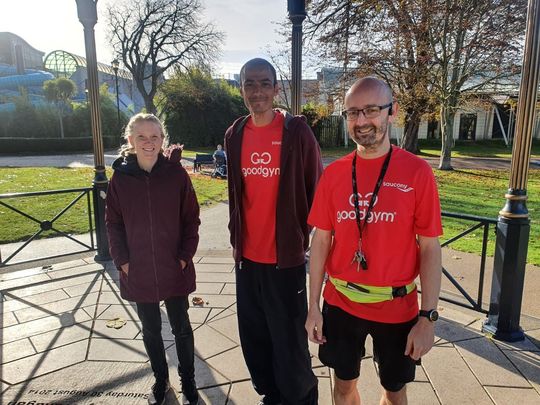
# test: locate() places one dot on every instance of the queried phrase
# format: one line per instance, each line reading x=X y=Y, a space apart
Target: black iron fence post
x=87 y=13
x=513 y=224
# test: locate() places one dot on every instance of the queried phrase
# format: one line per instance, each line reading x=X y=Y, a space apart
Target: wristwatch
x=432 y=314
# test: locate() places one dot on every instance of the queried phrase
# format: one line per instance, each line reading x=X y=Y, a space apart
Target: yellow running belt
x=367 y=294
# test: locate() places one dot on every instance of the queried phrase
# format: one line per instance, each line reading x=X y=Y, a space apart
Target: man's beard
x=369 y=136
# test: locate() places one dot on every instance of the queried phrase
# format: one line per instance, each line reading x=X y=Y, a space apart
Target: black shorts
x=345 y=346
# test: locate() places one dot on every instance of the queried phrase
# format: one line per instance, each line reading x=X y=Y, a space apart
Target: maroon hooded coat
x=152 y=223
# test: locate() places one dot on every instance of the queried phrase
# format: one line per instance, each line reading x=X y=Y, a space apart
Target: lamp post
x=87 y=13
x=115 y=65
x=297 y=14
x=513 y=225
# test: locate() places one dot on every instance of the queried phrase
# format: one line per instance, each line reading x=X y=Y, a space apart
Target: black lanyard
x=362 y=227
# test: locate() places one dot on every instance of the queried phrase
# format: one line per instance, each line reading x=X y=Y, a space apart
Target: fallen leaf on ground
x=116 y=323
x=197 y=301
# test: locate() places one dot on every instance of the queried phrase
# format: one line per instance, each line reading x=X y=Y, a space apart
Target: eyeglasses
x=369 y=112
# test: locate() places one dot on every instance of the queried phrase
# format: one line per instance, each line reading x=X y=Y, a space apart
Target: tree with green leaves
x=152 y=36
x=197 y=108
x=59 y=91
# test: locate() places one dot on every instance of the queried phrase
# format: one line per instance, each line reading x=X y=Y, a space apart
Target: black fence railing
x=329 y=131
x=476 y=223
x=49 y=224
x=43 y=225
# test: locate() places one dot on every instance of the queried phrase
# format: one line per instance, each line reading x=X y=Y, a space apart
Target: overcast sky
x=53 y=24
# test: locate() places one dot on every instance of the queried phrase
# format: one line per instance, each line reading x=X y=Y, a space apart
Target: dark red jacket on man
x=152 y=223
x=300 y=170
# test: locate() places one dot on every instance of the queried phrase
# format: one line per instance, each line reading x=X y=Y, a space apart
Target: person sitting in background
x=219 y=152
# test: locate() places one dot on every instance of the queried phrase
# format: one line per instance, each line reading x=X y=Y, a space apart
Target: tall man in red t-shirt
x=273 y=166
x=377 y=218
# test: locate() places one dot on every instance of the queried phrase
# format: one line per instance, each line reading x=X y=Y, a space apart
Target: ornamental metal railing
x=477 y=222
x=49 y=224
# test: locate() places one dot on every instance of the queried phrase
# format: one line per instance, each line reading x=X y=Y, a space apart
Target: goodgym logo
x=363 y=203
x=260 y=162
x=261 y=158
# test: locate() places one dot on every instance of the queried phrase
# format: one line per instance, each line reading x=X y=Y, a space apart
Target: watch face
x=433 y=315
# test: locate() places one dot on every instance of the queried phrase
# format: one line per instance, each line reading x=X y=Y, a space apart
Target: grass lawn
x=481 y=193
x=492 y=148
x=432 y=148
x=477 y=192
x=14 y=227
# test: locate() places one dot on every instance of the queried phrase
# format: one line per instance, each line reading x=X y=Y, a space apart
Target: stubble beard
x=259 y=106
x=371 y=140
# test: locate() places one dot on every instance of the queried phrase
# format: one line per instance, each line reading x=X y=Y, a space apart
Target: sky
x=50 y=25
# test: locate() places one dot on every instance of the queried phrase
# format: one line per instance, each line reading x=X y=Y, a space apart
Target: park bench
x=202 y=159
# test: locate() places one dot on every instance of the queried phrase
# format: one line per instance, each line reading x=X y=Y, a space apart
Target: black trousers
x=150 y=316
x=272 y=310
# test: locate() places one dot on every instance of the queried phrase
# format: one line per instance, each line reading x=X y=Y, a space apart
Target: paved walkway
x=57 y=346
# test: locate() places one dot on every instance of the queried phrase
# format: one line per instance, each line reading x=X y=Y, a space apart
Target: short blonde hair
x=126 y=149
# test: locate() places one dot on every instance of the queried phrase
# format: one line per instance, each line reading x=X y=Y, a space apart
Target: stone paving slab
x=16 y=350
x=453 y=380
x=13 y=304
x=219 y=313
x=227 y=326
x=52 y=308
x=122 y=310
x=528 y=364
x=199 y=315
x=205 y=375
x=214 y=268
x=209 y=288
x=451 y=331
x=229 y=288
x=526 y=344
x=489 y=363
x=211 y=342
x=124 y=350
x=87 y=383
x=511 y=396
x=223 y=361
x=217 y=260
x=129 y=331
x=43 y=363
x=216 y=277
x=56 y=322
x=60 y=337
x=217 y=300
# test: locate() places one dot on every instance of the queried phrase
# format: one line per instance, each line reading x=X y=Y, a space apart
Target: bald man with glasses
x=377 y=221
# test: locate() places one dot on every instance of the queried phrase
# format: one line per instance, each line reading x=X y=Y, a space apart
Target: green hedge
x=53 y=145
x=29 y=121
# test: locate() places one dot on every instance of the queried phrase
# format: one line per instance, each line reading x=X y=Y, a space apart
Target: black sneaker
x=159 y=392
x=267 y=400
x=189 y=388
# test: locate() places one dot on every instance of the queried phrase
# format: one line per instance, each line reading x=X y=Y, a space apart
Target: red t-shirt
x=261 y=149
x=407 y=205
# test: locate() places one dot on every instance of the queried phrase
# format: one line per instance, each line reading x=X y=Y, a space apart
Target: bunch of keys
x=359 y=258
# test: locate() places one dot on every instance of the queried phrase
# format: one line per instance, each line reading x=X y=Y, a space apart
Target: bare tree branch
x=151 y=36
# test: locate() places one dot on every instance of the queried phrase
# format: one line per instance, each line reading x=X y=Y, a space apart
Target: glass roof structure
x=65 y=64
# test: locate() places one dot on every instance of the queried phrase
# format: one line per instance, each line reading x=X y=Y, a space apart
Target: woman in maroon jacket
x=152 y=219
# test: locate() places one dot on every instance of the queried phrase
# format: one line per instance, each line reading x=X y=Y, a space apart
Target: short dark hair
x=257 y=62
